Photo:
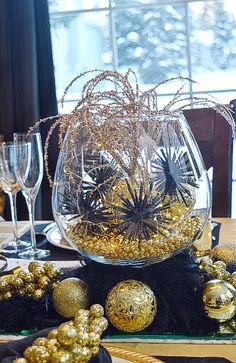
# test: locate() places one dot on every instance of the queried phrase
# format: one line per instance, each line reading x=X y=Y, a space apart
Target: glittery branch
x=102 y=115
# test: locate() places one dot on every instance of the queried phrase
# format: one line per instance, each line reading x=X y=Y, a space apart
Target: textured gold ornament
x=219 y=300
x=131 y=306
x=70 y=295
x=70 y=342
x=225 y=252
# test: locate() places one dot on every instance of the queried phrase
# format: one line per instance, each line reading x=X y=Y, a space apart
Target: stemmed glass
x=1 y=140
x=10 y=185
x=29 y=172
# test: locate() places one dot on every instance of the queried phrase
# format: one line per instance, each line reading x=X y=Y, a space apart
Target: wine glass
x=10 y=185
x=29 y=172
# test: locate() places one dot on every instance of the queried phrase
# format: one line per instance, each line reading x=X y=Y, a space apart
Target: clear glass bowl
x=135 y=194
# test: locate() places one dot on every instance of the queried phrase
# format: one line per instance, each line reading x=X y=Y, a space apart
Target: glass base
x=14 y=247
x=34 y=254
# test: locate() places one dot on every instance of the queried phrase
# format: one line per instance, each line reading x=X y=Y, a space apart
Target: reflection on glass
x=10 y=185
x=29 y=172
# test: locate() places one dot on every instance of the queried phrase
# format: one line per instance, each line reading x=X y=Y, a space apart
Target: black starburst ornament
x=173 y=175
x=140 y=214
x=67 y=201
x=92 y=217
x=101 y=178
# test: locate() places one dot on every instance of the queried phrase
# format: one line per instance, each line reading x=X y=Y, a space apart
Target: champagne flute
x=9 y=184
x=29 y=172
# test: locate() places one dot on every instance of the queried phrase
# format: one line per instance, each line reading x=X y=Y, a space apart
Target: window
x=158 y=39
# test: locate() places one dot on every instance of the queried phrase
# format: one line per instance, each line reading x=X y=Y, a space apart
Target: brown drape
x=27 y=85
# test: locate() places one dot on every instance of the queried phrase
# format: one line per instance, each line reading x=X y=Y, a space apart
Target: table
x=189 y=347
x=167 y=347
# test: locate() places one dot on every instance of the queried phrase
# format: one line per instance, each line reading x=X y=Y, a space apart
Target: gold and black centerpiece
x=130 y=186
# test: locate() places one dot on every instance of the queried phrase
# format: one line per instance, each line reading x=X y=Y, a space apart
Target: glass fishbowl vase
x=133 y=194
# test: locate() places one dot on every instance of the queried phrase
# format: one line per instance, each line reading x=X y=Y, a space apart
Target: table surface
x=165 y=347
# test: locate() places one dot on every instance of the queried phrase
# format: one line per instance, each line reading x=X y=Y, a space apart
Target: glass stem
x=31 y=208
x=12 y=197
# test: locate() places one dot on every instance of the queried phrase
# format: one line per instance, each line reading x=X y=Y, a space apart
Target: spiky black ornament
x=101 y=178
x=173 y=174
x=92 y=215
x=140 y=214
x=68 y=200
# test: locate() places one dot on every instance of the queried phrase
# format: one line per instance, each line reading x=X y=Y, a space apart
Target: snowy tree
x=153 y=41
x=223 y=49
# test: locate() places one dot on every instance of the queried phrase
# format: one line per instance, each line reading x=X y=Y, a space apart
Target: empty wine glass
x=29 y=172
x=10 y=185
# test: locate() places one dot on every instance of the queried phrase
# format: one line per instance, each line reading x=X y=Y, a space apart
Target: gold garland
x=219 y=293
x=217 y=270
x=75 y=341
x=34 y=283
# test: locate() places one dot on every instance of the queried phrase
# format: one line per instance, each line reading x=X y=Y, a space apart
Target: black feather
x=177 y=284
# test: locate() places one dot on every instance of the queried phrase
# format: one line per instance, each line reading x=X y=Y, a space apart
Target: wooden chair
x=214 y=137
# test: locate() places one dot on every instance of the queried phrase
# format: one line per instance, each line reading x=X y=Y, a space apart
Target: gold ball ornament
x=83 y=338
x=70 y=295
x=131 y=306
x=40 y=355
x=37 y=294
x=52 y=345
x=232 y=279
x=53 y=334
x=219 y=300
x=67 y=335
x=225 y=252
x=40 y=341
x=61 y=356
x=33 y=266
x=96 y=311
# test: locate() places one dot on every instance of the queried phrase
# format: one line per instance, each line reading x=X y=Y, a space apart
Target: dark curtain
x=27 y=85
